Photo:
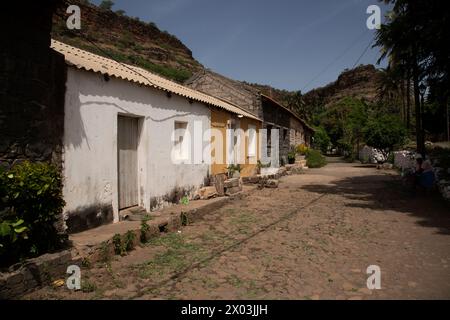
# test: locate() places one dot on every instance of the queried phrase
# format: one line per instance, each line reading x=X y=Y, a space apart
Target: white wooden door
x=127 y=143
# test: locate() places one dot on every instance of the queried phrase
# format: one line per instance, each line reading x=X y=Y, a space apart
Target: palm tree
x=399 y=39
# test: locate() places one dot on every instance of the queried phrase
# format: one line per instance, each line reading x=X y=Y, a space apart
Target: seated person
x=419 y=162
x=427 y=176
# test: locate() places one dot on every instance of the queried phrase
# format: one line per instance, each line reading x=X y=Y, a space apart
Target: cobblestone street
x=312 y=238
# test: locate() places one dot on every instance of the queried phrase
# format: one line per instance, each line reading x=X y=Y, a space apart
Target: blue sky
x=289 y=44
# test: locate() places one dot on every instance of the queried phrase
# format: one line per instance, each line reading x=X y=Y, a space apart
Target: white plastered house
x=118 y=138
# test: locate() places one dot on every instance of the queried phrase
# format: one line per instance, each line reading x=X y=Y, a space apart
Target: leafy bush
x=321 y=139
x=232 y=168
x=31 y=203
x=106 y=5
x=391 y=158
x=314 y=159
x=384 y=132
x=302 y=149
x=291 y=157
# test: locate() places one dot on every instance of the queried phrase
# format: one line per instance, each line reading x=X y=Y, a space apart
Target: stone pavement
x=311 y=238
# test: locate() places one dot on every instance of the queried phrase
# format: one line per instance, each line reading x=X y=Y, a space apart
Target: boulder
x=233 y=190
x=282 y=171
x=218 y=181
x=289 y=167
x=271 y=183
x=387 y=166
x=251 y=180
x=231 y=183
x=207 y=193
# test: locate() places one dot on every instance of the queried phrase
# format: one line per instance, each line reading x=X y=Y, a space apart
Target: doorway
x=127 y=146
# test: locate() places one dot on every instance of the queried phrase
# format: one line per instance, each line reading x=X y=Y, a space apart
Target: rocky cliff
x=361 y=82
x=126 y=39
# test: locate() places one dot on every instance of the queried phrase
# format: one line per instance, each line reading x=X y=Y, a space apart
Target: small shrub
x=232 y=168
x=184 y=200
x=291 y=157
x=263 y=165
x=184 y=219
x=391 y=158
x=106 y=4
x=122 y=246
x=144 y=229
x=31 y=203
x=321 y=140
x=104 y=252
x=87 y=286
x=302 y=149
x=314 y=159
x=130 y=236
x=119 y=248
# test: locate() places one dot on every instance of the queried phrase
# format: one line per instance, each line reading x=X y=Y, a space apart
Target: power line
x=362 y=54
x=336 y=59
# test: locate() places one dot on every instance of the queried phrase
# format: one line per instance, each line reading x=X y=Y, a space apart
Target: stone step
x=233 y=190
x=133 y=214
x=231 y=183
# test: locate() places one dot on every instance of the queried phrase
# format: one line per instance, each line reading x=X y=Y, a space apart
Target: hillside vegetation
x=128 y=40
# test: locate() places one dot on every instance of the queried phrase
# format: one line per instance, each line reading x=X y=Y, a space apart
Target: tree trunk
x=419 y=137
x=408 y=102
x=403 y=98
x=448 y=118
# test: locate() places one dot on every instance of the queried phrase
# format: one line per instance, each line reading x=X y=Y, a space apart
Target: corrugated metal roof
x=82 y=59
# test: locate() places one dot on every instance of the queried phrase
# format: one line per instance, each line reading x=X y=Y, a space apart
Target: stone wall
x=32 y=86
x=34 y=273
x=235 y=92
x=405 y=160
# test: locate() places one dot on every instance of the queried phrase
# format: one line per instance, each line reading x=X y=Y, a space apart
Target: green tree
x=295 y=102
x=413 y=36
x=106 y=4
x=384 y=132
x=321 y=139
x=344 y=123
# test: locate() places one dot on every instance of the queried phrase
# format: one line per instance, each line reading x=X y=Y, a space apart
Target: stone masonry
x=32 y=86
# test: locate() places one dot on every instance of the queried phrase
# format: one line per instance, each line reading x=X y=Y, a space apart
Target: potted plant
x=301 y=150
x=291 y=157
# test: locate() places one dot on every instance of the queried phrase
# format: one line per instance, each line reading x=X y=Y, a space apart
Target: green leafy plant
x=31 y=203
x=11 y=231
x=185 y=200
x=301 y=149
x=321 y=139
x=119 y=247
x=145 y=228
x=232 y=168
x=184 y=219
x=291 y=157
x=263 y=165
x=384 y=132
x=130 y=236
x=314 y=159
x=88 y=286
x=106 y=4
x=104 y=252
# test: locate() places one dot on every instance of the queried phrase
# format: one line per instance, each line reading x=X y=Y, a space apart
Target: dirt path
x=312 y=238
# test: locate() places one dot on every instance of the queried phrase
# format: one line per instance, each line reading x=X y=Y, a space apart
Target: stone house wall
x=235 y=92
x=32 y=86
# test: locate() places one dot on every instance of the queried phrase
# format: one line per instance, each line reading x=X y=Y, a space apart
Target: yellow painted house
x=240 y=143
